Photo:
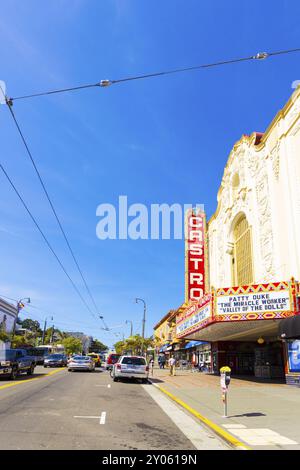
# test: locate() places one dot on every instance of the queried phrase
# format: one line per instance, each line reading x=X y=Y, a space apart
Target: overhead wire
x=43 y=235
x=106 y=83
x=52 y=207
x=32 y=306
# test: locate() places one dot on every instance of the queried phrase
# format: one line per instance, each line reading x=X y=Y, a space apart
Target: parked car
x=55 y=360
x=96 y=358
x=81 y=363
x=14 y=362
x=38 y=354
x=111 y=360
x=132 y=367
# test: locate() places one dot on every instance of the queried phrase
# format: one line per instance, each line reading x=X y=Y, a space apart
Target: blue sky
x=163 y=140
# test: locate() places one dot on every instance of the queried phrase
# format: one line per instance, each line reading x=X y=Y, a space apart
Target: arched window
x=242 y=266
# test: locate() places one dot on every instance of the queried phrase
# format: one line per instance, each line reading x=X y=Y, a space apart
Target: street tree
x=32 y=325
x=133 y=345
x=97 y=346
x=72 y=345
x=4 y=336
x=20 y=341
x=120 y=347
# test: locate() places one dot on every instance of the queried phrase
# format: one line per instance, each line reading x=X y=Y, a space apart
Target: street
x=56 y=409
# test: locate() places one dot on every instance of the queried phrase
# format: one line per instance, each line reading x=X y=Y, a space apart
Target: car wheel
x=31 y=370
x=45 y=366
x=115 y=379
x=14 y=373
x=70 y=370
x=144 y=381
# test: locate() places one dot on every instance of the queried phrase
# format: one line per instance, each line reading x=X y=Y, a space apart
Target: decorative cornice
x=251 y=142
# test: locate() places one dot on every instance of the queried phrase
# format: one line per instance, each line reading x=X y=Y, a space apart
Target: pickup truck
x=14 y=362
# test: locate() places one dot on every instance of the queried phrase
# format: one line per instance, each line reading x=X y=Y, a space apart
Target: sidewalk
x=264 y=415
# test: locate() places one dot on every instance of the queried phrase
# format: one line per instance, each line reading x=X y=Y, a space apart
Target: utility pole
x=52 y=334
x=144 y=321
x=44 y=331
x=131 y=326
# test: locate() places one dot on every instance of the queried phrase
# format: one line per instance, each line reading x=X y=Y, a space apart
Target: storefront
x=242 y=325
x=247 y=358
x=289 y=330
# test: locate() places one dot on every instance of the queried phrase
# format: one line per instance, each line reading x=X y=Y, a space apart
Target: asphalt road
x=82 y=410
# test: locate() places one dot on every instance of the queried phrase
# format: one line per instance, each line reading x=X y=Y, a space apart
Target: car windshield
x=81 y=359
x=6 y=355
x=136 y=361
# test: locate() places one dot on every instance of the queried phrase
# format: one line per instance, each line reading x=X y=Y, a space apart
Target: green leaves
x=133 y=345
x=72 y=345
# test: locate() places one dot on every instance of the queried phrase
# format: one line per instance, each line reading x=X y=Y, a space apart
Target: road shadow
x=155 y=380
x=258 y=380
x=133 y=381
x=248 y=415
x=251 y=378
x=87 y=371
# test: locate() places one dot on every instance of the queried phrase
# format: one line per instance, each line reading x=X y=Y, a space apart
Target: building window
x=242 y=267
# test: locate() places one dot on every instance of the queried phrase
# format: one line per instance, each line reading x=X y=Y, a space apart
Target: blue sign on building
x=294 y=355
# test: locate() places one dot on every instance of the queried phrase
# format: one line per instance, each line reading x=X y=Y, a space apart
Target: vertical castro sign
x=195 y=230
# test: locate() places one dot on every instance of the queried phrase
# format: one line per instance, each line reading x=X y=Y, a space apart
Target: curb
x=226 y=436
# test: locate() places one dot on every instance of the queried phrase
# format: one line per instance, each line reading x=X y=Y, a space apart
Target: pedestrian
x=163 y=361
x=151 y=364
x=159 y=360
x=172 y=364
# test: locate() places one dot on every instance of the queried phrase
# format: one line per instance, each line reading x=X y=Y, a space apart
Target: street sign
x=195 y=233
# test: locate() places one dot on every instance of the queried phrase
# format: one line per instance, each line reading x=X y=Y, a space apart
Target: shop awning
x=193 y=344
x=290 y=327
x=164 y=347
x=248 y=330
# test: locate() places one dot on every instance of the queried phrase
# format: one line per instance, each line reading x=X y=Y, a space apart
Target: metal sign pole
x=225 y=404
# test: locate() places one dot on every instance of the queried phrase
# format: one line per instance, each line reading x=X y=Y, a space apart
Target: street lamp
x=131 y=326
x=20 y=305
x=137 y=300
x=105 y=325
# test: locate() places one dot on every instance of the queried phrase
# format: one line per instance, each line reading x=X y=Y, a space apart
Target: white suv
x=132 y=367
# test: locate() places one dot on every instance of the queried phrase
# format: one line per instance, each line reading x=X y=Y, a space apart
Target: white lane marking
x=108 y=386
x=195 y=432
x=260 y=436
x=102 y=417
x=87 y=417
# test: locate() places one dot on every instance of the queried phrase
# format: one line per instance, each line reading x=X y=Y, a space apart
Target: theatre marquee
x=254 y=302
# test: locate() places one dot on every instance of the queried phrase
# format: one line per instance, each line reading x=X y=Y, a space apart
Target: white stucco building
x=254 y=235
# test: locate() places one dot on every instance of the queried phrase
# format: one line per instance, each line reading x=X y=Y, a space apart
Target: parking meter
x=225 y=381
